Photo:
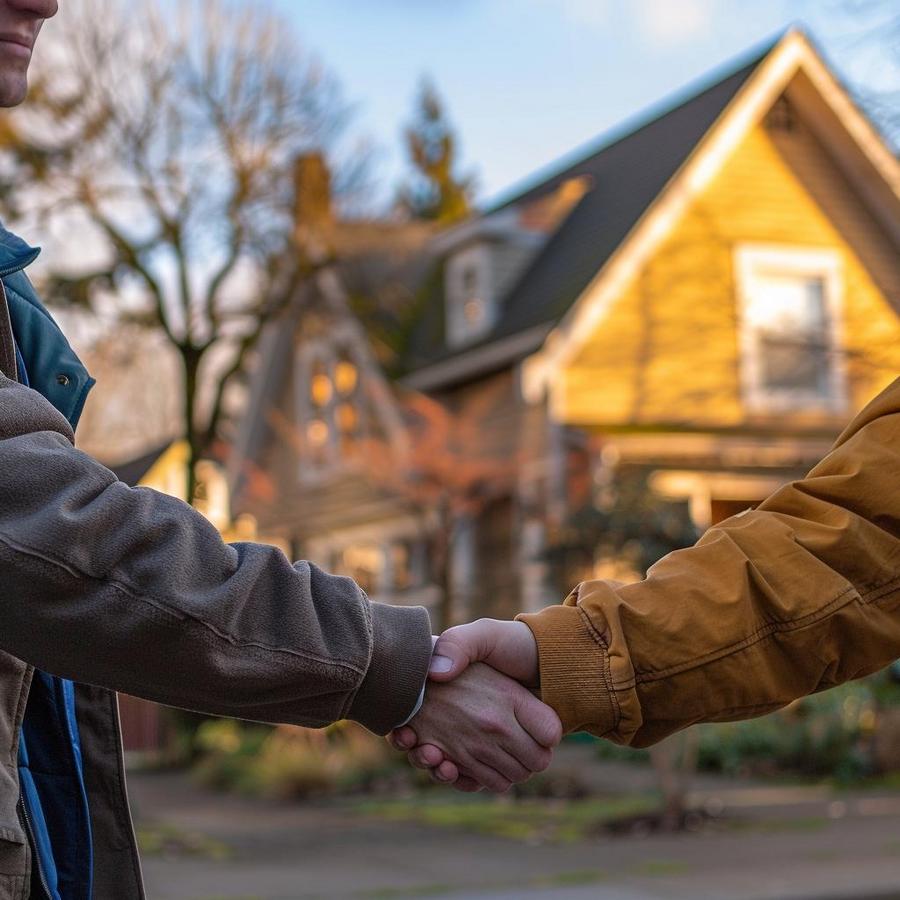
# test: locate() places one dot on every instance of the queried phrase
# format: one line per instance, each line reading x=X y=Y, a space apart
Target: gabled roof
x=626 y=173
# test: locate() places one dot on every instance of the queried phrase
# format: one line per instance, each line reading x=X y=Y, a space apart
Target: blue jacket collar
x=15 y=254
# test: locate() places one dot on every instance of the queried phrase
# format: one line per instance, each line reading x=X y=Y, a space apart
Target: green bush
x=289 y=761
x=824 y=735
x=820 y=736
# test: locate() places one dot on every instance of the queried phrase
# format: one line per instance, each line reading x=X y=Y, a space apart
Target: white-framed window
x=790 y=307
x=468 y=290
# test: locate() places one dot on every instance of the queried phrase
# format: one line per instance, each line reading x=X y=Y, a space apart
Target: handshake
x=480 y=726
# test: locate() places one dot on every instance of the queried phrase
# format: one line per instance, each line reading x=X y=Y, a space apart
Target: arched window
x=329 y=406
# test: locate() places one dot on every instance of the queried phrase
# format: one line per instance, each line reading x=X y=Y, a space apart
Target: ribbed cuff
x=398 y=669
x=574 y=667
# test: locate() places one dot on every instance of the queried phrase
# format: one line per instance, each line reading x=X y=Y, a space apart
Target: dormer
x=470 y=292
x=482 y=258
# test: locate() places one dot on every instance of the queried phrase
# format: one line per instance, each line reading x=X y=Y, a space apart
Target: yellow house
x=707 y=296
x=753 y=307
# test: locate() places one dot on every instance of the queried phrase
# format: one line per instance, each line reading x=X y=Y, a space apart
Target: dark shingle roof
x=626 y=175
x=133 y=470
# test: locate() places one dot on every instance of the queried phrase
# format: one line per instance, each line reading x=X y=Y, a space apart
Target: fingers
x=446 y=773
x=403 y=739
x=467 y=785
x=425 y=756
x=484 y=726
x=505 y=747
x=488 y=777
x=511 y=768
x=530 y=758
x=539 y=720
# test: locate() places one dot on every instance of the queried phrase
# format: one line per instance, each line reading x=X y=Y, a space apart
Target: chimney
x=313 y=213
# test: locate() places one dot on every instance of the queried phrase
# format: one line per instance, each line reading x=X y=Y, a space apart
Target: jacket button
x=62 y=379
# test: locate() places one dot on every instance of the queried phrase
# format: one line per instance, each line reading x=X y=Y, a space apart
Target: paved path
x=804 y=844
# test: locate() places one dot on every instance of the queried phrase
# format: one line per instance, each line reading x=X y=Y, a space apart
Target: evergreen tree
x=435 y=191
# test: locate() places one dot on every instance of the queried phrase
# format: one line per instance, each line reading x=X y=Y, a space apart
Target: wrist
x=421 y=700
x=528 y=659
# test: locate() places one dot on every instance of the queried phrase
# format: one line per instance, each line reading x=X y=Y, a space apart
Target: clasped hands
x=480 y=726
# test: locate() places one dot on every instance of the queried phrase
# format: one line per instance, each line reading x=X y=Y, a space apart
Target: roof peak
x=660 y=108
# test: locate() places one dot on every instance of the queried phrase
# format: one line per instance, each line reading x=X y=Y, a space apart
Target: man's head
x=20 y=22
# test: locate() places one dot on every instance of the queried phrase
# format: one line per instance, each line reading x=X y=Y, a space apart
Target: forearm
x=133 y=590
x=799 y=595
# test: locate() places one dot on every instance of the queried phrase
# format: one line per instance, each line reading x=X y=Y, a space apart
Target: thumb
x=508 y=647
x=457 y=648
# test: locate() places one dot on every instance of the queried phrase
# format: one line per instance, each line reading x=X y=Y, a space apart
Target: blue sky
x=527 y=81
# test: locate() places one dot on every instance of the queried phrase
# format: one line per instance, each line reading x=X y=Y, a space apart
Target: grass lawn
x=527 y=820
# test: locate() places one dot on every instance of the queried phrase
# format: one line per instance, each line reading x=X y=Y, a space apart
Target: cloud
x=670 y=22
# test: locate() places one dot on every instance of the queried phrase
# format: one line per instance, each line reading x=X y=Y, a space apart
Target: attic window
x=468 y=284
x=782 y=117
x=473 y=305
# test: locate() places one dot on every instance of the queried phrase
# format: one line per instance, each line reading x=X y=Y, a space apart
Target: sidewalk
x=796 y=845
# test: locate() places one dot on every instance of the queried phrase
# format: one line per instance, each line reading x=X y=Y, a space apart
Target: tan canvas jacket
x=773 y=604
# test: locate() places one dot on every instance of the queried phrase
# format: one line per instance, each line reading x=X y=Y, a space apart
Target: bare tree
x=166 y=148
x=448 y=473
x=871 y=43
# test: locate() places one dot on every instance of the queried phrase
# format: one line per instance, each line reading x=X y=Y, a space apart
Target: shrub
x=289 y=761
x=817 y=737
x=824 y=735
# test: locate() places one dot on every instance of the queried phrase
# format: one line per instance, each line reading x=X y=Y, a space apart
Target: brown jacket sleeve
x=773 y=604
x=133 y=590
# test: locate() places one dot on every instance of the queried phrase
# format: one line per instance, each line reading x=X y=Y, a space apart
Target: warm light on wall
x=346 y=417
x=317 y=433
x=369 y=557
x=345 y=377
x=320 y=389
x=474 y=311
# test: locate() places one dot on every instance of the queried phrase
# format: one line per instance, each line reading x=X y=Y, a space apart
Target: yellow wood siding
x=667 y=352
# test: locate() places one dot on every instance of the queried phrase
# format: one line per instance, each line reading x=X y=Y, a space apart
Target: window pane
x=782 y=304
x=791 y=365
x=790 y=318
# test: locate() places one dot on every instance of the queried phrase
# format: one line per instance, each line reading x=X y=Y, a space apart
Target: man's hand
x=496 y=732
x=508 y=647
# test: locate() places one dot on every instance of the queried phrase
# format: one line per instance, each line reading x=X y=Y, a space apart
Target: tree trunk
x=191 y=361
x=675 y=761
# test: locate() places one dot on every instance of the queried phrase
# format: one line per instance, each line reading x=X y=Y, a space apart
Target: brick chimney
x=313 y=211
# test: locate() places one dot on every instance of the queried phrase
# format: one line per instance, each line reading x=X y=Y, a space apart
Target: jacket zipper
x=35 y=857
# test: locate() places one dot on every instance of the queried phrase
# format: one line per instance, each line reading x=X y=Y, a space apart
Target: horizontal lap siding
x=667 y=351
